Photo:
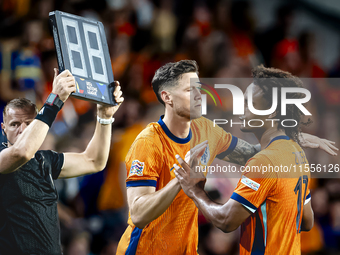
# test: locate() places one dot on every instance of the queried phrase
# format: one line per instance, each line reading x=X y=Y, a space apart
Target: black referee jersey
x=29 y=221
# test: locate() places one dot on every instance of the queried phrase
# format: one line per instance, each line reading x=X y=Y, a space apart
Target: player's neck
x=178 y=126
x=268 y=135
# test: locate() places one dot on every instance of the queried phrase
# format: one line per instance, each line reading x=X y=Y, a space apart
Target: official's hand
x=190 y=177
x=106 y=112
x=63 y=84
x=312 y=141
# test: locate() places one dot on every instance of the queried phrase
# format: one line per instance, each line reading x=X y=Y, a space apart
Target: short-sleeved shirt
x=276 y=196
x=149 y=162
x=29 y=221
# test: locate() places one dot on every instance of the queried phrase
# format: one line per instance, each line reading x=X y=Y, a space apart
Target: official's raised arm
x=95 y=157
x=25 y=129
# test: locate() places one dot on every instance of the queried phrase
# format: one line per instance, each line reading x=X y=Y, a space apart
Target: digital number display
x=95 y=51
x=81 y=47
x=74 y=47
x=92 y=44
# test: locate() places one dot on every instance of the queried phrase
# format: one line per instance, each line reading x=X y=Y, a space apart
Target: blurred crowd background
x=227 y=38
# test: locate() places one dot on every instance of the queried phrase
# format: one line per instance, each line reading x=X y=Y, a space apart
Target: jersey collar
x=280 y=137
x=171 y=135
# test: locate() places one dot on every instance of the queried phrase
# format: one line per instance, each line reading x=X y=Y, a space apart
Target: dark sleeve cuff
x=141 y=183
x=244 y=202
x=230 y=149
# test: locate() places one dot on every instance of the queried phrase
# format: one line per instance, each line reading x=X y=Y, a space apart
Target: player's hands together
x=106 y=112
x=312 y=141
x=63 y=84
x=189 y=176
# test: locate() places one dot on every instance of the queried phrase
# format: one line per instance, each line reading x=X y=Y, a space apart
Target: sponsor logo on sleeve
x=250 y=183
x=136 y=168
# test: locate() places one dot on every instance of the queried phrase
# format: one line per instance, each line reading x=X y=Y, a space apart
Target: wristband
x=47 y=114
x=105 y=121
x=53 y=99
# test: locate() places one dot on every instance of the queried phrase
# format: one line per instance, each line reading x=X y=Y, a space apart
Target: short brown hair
x=169 y=74
x=20 y=103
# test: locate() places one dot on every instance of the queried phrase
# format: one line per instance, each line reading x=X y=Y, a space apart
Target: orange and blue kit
x=149 y=162
x=275 y=197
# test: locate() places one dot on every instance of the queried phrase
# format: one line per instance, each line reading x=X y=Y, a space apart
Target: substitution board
x=81 y=48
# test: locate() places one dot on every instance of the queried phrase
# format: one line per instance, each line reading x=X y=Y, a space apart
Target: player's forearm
x=218 y=214
x=242 y=152
x=97 y=151
x=306 y=226
x=149 y=207
x=307 y=218
x=24 y=148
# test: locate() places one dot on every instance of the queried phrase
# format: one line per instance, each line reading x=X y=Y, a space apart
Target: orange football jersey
x=149 y=162
x=275 y=197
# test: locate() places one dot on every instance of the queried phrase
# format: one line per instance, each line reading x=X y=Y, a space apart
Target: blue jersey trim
x=264 y=214
x=244 y=202
x=140 y=183
x=135 y=235
x=171 y=135
x=284 y=137
x=308 y=196
x=230 y=149
x=232 y=145
x=258 y=244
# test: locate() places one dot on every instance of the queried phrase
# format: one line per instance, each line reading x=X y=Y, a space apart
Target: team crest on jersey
x=137 y=168
x=206 y=156
x=250 y=183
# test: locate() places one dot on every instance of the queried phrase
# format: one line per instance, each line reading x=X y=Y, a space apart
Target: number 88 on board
x=81 y=47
